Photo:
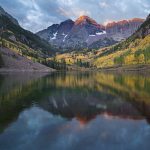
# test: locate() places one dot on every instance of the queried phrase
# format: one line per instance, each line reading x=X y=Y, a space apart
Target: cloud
x=63 y=12
x=36 y=15
x=75 y=13
x=66 y=2
x=103 y=5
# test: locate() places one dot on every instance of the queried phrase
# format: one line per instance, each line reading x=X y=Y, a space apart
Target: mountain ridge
x=21 y=50
x=131 y=54
x=85 y=31
x=3 y=12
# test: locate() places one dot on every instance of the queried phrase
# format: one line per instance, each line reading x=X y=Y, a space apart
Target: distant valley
x=80 y=45
x=132 y=54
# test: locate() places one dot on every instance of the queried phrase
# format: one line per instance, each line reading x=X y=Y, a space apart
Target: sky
x=35 y=15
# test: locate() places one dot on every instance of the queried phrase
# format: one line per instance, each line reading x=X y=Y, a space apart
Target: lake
x=74 y=111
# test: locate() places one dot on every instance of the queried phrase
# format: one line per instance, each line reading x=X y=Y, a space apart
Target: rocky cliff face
x=57 y=33
x=84 y=28
x=123 y=29
x=69 y=34
x=86 y=32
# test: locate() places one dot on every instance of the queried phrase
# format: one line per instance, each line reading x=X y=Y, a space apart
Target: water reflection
x=74 y=111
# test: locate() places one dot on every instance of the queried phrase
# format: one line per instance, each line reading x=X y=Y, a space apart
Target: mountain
x=123 y=29
x=84 y=28
x=23 y=36
x=11 y=61
x=77 y=35
x=4 y=13
x=19 y=46
x=57 y=33
x=104 y=42
x=87 y=33
x=131 y=54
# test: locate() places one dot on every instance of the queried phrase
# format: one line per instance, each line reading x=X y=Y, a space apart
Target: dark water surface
x=74 y=111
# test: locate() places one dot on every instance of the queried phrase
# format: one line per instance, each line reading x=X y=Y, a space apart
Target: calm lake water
x=74 y=111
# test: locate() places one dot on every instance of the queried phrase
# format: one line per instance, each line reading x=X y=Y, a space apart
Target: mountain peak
x=85 y=19
x=86 y=31
x=68 y=21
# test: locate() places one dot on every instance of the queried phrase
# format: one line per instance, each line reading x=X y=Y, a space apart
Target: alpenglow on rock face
x=87 y=33
x=123 y=29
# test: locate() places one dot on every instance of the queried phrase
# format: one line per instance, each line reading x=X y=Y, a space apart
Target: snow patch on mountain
x=92 y=35
x=101 y=33
x=98 y=33
x=54 y=36
x=85 y=31
x=65 y=37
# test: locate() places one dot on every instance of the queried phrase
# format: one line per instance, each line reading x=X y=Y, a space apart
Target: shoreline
x=143 y=69
x=128 y=68
x=5 y=70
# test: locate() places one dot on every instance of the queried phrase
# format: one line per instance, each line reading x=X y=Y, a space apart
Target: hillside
x=4 y=13
x=133 y=51
x=130 y=54
x=21 y=49
x=23 y=36
x=13 y=62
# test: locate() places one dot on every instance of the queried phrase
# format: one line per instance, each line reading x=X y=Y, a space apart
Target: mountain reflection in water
x=74 y=111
